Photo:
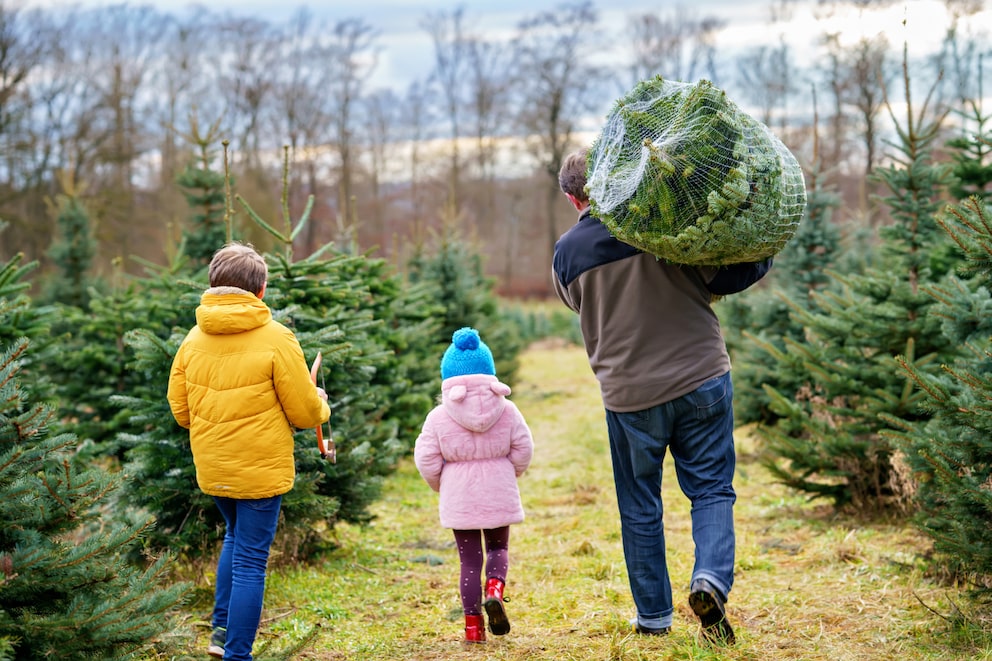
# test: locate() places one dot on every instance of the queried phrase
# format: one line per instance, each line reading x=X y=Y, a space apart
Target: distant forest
x=112 y=105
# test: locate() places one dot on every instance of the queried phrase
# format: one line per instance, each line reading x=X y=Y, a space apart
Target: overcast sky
x=407 y=52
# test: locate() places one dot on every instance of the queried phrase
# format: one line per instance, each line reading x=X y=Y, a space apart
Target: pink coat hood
x=472 y=448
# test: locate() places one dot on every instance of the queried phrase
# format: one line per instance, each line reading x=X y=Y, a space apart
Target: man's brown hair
x=572 y=175
x=238 y=265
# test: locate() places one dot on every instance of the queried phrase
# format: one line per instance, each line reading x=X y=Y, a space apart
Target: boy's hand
x=321 y=393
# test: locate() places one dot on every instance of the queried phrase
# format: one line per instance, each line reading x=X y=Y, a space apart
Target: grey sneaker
x=709 y=607
x=217 y=640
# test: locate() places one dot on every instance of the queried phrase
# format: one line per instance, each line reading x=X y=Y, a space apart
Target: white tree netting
x=681 y=172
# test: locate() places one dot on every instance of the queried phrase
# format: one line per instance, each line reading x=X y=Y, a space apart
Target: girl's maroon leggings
x=469 y=543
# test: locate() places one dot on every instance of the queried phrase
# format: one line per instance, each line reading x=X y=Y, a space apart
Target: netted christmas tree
x=681 y=172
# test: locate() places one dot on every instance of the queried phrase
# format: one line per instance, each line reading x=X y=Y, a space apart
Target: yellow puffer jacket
x=240 y=384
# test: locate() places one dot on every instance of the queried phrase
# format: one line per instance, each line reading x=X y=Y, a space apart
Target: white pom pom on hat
x=467 y=354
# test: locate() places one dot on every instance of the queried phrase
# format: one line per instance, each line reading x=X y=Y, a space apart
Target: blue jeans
x=251 y=527
x=698 y=427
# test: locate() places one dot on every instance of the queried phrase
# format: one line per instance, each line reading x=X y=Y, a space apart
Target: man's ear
x=576 y=202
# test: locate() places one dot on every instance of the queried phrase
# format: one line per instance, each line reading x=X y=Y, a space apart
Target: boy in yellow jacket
x=240 y=384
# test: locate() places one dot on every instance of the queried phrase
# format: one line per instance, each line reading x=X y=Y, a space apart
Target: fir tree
x=21 y=317
x=830 y=432
x=950 y=455
x=94 y=359
x=72 y=250
x=66 y=590
x=205 y=191
x=972 y=151
x=454 y=273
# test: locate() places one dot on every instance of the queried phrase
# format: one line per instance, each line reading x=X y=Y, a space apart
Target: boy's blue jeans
x=698 y=428
x=251 y=527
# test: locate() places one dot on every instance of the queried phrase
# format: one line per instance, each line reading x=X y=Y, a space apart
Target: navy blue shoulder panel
x=586 y=245
x=738 y=277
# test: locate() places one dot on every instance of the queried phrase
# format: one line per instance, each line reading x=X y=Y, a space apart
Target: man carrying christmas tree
x=657 y=350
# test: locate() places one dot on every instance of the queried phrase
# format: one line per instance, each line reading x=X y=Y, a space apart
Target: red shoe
x=498 y=623
x=475 y=629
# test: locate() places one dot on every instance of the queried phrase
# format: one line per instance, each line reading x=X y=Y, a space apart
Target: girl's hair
x=572 y=175
x=238 y=265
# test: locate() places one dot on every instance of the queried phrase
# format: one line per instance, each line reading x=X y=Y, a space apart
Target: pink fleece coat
x=472 y=448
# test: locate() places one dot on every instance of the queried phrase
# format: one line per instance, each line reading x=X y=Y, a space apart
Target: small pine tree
x=828 y=441
x=454 y=272
x=205 y=191
x=950 y=454
x=21 y=317
x=972 y=151
x=93 y=364
x=72 y=250
x=66 y=590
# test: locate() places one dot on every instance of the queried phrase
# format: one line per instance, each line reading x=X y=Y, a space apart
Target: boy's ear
x=576 y=202
x=261 y=292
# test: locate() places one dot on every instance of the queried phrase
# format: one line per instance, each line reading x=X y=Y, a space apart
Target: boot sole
x=712 y=617
x=499 y=624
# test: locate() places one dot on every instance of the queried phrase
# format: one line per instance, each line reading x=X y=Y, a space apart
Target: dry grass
x=810 y=585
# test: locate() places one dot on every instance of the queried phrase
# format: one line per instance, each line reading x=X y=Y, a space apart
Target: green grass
x=810 y=584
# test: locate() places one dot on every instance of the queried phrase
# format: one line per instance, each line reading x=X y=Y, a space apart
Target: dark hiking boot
x=709 y=607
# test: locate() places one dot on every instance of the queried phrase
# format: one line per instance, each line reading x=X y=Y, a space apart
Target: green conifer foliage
x=66 y=591
x=758 y=321
x=72 y=251
x=950 y=455
x=21 y=317
x=205 y=191
x=93 y=365
x=972 y=153
x=829 y=442
x=454 y=274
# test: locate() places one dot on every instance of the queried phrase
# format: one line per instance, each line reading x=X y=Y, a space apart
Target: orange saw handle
x=327 y=450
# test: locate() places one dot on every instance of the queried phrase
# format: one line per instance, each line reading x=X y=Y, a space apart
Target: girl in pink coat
x=472 y=448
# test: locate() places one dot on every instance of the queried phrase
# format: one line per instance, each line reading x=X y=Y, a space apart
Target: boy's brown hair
x=238 y=265
x=572 y=175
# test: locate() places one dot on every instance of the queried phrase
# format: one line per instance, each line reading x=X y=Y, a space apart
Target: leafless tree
x=447 y=34
x=412 y=127
x=678 y=46
x=245 y=80
x=556 y=86
x=380 y=113
x=488 y=64
x=765 y=76
x=353 y=57
x=870 y=79
x=182 y=74
x=300 y=110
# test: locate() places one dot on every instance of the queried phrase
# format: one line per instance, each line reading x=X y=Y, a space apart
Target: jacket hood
x=229 y=310
x=475 y=401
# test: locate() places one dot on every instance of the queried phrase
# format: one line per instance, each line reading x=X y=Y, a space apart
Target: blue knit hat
x=468 y=354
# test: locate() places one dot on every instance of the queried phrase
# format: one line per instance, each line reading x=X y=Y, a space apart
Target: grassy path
x=809 y=585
